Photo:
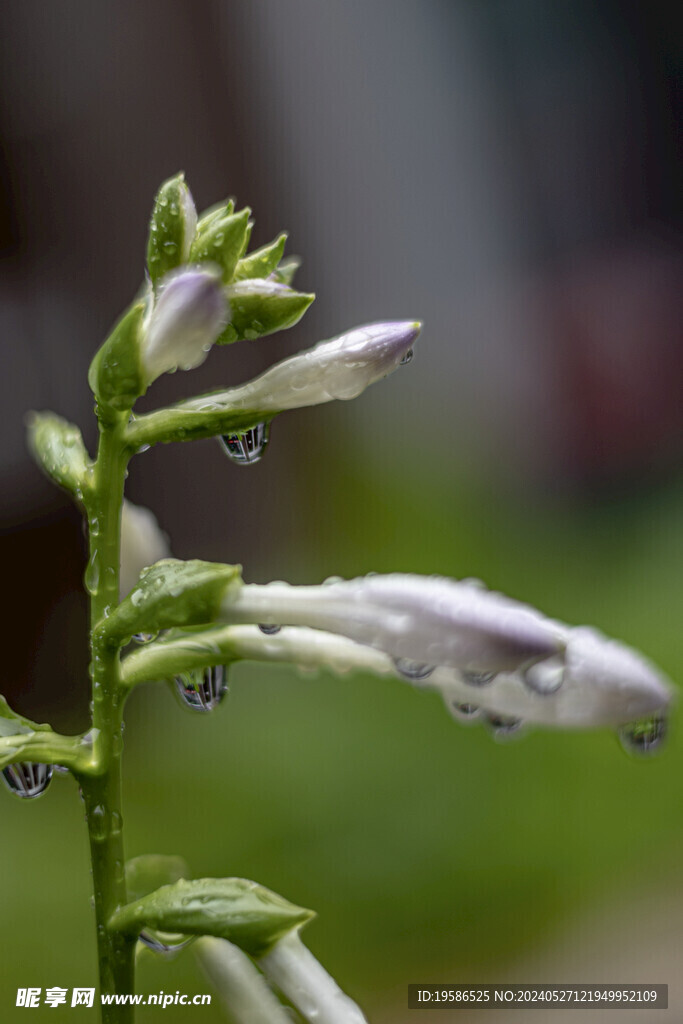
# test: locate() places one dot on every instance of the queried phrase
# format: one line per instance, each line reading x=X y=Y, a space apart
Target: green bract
x=261 y=307
x=261 y=262
x=171 y=593
x=172 y=228
x=115 y=376
x=58 y=448
x=222 y=241
x=243 y=912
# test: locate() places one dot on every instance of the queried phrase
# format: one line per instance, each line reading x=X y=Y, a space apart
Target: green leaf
x=222 y=209
x=222 y=242
x=58 y=448
x=259 y=307
x=171 y=593
x=285 y=272
x=115 y=376
x=243 y=912
x=261 y=262
x=171 y=229
x=24 y=740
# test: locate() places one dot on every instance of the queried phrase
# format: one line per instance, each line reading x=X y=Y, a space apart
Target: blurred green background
x=501 y=172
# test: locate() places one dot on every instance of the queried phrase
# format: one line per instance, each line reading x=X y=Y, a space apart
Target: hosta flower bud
x=143 y=542
x=172 y=228
x=340 y=368
x=188 y=316
x=427 y=621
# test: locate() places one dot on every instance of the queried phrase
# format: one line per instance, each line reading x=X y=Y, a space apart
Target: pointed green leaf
x=223 y=209
x=172 y=228
x=259 y=307
x=284 y=273
x=243 y=912
x=58 y=448
x=171 y=593
x=115 y=376
x=222 y=242
x=261 y=262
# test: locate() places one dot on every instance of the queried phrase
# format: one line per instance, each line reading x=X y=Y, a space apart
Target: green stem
x=102 y=791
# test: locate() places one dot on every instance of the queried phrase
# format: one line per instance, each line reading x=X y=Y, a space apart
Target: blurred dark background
x=510 y=173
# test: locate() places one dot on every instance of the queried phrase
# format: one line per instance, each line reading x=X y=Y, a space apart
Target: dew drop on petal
x=414 y=671
x=27 y=779
x=202 y=689
x=268 y=629
x=408 y=358
x=478 y=678
x=464 y=712
x=545 y=677
x=248 y=446
x=501 y=726
x=644 y=737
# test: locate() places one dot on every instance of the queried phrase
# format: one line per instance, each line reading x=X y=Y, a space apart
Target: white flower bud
x=143 y=542
x=188 y=315
x=340 y=368
x=306 y=983
x=427 y=620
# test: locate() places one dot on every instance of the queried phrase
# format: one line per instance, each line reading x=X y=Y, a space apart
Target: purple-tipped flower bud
x=188 y=315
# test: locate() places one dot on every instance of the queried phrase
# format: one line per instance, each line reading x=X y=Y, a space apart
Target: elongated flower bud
x=188 y=316
x=480 y=650
x=143 y=542
x=427 y=620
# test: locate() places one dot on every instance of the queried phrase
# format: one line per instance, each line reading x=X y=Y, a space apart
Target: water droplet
x=144 y=638
x=27 y=779
x=268 y=629
x=468 y=711
x=644 y=737
x=415 y=671
x=157 y=945
x=545 y=677
x=408 y=357
x=478 y=678
x=248 y=446
x=60 y=769
x=92 y=574
x=202 y=689
x=502 y=726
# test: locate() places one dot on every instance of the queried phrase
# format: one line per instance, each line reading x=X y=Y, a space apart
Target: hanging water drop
x=468 y=711
x=408 y=358
x=478 y=678
x=414 y=671
x=144 y=638
x=268 y=629
x=248 y=446
x=644 y=737
x=501 y=726
x=202 y=689
x=27 y=779
x=166 y=944
x=545 y=677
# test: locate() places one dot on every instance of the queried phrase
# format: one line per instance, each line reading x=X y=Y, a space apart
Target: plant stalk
x=102 y=790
